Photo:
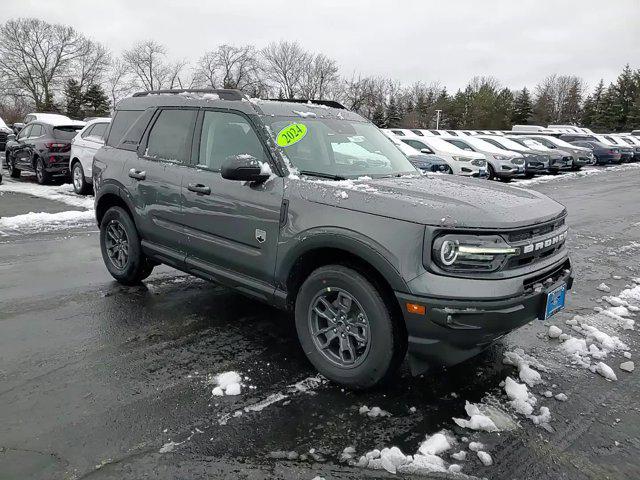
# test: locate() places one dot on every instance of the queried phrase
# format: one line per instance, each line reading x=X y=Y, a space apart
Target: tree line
x=55 y=68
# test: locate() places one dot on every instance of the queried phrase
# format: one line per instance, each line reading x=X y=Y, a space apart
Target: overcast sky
x=517 y=41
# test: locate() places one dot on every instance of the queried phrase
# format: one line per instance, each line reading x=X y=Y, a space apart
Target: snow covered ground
x=585 y=172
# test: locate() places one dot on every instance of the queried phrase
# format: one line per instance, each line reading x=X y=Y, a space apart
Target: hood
x=439 y=200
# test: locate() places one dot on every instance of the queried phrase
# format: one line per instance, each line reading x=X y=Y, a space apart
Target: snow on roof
x=55 y=119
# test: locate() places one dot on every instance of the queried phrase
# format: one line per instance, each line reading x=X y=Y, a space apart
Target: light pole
x=438 y=119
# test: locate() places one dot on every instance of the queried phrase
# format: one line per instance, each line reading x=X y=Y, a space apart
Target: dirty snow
x=373 y=412
x=485 y=458
x=46 y=222
x=59 y=193
x=627 y=366
x=477 y=421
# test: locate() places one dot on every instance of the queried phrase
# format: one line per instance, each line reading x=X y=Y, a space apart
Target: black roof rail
x=223 y=93
x=326 y=103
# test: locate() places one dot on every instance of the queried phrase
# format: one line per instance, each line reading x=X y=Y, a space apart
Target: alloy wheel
x=117 y=244
x=77 y=177
x=339 y=327
x=39 y=170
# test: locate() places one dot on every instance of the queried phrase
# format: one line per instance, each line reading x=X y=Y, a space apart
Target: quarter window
x=225 y=135
x=36 y=131
x=25 y=132
x=98 y=131
x=170 y=136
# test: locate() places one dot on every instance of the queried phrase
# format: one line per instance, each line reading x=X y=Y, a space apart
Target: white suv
x=462 y=163
x=83 y=147
x=503 y=164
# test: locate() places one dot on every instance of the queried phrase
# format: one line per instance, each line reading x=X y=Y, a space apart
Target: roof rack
x=326 y=103
x=223 y=93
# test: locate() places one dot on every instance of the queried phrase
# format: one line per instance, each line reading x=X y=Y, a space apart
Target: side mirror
x=11 y=136
x=245 y=168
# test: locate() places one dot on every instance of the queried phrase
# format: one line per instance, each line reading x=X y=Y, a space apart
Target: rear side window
x=418 y=132
x=171 y=135
x=417 y=145
x=121 y=123
x=225 y=135
x=36 y=131
x=66 y=133
x=87 y=132
x=98 y=131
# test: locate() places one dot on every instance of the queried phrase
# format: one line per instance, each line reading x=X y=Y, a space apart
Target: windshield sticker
x=291 y=134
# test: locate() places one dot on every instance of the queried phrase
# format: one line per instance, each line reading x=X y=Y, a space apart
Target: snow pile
x=46 y=222
x=527 y=374
x=627 y=366
x=485 y=458
x=227 y=383
x=59 y=193
x=373 y=412
x=477 y=421
x=554 y=332
x=524 y=402
x=305 y=114
x=606 y=371
x=603 y=287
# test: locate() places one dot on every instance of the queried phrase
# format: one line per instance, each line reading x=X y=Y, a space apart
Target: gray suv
x=311 y=208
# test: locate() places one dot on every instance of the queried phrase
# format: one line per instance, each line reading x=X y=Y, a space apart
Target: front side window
x=36 y=131
x=122 y=121
x=418 y=145
x=227 y=135
x=340 y=148
x=25 y=133
x=171 y=134
x=461 y=145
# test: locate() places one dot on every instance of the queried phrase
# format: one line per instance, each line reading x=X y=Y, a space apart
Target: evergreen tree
x=393 y=117
x=626 y=90
x=598 y=106
x=503 y=110
x=588 y=112
x=570 y=108
x=422 y=111
x=543 y=109
x=73 y=99
x=443 y=103
x=633 y=117
x=610 y=111
x=378 y=117
x=522 y=108
x=96 y=102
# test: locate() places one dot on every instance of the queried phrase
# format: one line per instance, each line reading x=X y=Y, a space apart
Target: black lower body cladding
x=452 y=331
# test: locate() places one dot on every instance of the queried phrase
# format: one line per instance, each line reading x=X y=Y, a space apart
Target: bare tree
x=120 y=81
x=558 y=99
x=150 y=67
x=37 y=57
x=284 y=65
x=319 y=75
x=91 y=65
x=230 y=66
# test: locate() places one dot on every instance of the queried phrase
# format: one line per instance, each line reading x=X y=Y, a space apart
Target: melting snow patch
x=373 y=412
x=44 y=222
x=627 y=366
x=461 y=456
x=477 y=421
x=476 y=446
x=603 y=287
x=525 y=372
x=305 y=114
x=561 y=397
x=228 y=383
x=554 y=332
x=606 y=371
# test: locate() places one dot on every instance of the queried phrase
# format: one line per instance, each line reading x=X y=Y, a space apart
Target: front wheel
x=347 y=330
x=80 y=185
x=492 y=172
x=11 y=163
x=121 y=249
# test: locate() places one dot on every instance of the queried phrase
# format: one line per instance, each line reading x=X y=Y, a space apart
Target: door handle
x=199 y=188
x=137 y=174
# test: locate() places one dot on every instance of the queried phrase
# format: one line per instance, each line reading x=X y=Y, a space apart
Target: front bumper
x=452 y=331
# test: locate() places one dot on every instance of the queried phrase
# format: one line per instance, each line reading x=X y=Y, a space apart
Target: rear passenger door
x=91 y=142
x=231 y=227
x=155 y=178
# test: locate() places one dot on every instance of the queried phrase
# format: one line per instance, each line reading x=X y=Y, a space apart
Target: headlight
x=471 y=253
x=462 y=159
x=501 y=157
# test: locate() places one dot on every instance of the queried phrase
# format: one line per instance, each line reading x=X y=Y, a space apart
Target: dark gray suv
x=311 y=208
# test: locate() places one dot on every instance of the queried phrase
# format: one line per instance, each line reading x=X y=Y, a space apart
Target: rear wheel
x=80 y=185
x=347 y=330
x=121 y=249
x=42 y=176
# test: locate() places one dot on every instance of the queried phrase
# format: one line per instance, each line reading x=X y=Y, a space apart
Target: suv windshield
x=340 y=148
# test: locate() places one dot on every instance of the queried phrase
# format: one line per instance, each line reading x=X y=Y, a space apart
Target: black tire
x=80 y=185
x=13 y=171
x=387 y=343
x=137 y=266
x=42 y=176
x=491 y=171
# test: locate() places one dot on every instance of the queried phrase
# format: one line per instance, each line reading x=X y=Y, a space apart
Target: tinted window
x=66 y=133
x=171 y=135
x=400 y=133
x=417 y=145
x=492 y=142
x=418 y=132
x=121 y=123
x=461 y=145
x=225 y=135
x=98 y=130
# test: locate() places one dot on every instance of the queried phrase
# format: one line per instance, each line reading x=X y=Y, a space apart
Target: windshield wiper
x=322 y=175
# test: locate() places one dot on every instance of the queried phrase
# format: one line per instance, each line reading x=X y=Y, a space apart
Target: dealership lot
x=104 y=381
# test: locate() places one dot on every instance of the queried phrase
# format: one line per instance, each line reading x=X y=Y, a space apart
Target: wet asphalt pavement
x=96 y=378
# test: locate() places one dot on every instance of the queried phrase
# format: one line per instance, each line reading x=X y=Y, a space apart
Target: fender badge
x=261 y=235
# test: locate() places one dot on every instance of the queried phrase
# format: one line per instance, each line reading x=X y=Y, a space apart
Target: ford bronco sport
x=311 y=208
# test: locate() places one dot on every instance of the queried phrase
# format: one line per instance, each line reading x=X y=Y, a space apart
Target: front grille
x=530 y=233
x=537 y=243
x=548 y=278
